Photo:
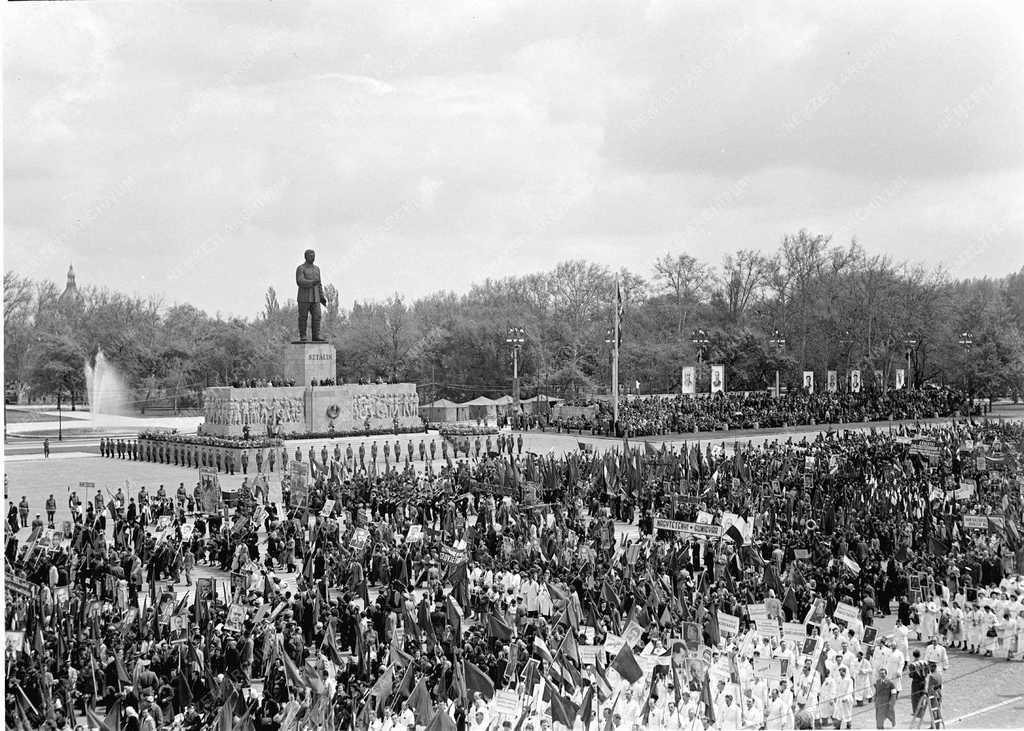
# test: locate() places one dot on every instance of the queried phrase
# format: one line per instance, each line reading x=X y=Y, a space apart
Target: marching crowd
x=503 y=590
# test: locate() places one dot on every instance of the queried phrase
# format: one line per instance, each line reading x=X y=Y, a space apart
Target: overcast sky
x=195 y=151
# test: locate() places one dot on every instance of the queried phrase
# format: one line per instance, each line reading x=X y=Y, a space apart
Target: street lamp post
x=912 y=342
x=967 y=342
x=515 y=338
x=700 y=341
x=779 y=342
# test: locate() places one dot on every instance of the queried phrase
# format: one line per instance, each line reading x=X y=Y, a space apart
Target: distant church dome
x=70 y=297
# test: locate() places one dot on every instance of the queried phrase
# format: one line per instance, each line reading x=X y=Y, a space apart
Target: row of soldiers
x=223 y=459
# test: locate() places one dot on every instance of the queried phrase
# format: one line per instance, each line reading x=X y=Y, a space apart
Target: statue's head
x=310 y=256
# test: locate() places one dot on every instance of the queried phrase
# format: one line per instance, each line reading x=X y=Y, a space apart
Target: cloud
x=162 y=147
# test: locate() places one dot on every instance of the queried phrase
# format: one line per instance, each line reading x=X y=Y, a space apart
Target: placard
x=415 y=534
x=965 y=490
x=588 y=654
x=18 y=585
x=505 y=703
x=697 y=529
x=298 y=483
x=235 y=618
x=360 y=537
x=794 y=632
x=632 y=634
x=87 y=485
x=327 y=509
x=975 y=522
x=728 y=624
x=209 y=491
x=451 y=556
x=846 y=613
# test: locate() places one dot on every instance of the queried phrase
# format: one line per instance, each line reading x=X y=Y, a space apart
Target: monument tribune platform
x=308 y=410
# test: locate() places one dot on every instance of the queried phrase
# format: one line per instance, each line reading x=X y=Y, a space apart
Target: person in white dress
x=863 y=684
x=844 y=693
x=989 y=632
x=894 y=668
x=776 y=712
x=937 y=654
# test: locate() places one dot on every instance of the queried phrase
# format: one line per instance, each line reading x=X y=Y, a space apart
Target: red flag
x=625 y=664
x=477 y=681
x=562 y=710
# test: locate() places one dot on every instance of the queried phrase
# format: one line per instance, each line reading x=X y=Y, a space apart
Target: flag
x=625 y=664
x=587 y=707
x=420 y=703
x=705 y=698
x=381 y=690
x=789 y=602
x=937 y=546
x=735 y=534
x=852 y=565
x=497 y=628
x=569 y=647
x=542 y=649
x=562 y=710
x=441 y=722
x=477 y=681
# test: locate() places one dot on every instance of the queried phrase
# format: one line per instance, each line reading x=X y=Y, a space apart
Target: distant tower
x=70 y=297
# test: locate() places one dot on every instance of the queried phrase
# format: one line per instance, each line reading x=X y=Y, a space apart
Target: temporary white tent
x=440 y=410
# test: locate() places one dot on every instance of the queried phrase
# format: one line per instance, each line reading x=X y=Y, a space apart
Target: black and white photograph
x=513 y=365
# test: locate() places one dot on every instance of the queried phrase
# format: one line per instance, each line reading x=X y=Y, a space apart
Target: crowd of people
x=657 y=415
x=674 y=588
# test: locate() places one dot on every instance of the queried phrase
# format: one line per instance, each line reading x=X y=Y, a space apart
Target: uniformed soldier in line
x=51 y=508
x=229 y=461
x=444 y=449
x=477 y=446
x=433 y=450
x=218 y=458
x=373 y=452
x=245 y=461
x=103 y=447
x=348 y=455
x=337 y=452
x=270 y=458
x=362 y=455
x=284 y=459
x=298 y=454
x=311 y=453
x=519 y=444
x=488 y=445
x=398 y=451
x=408 y=450
x=423 y=451
x=259 y=461
x=324 y=455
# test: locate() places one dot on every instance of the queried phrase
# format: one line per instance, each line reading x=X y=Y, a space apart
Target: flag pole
x=615 y=355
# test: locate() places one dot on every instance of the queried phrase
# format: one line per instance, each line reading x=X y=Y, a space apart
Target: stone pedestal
x=306 y=363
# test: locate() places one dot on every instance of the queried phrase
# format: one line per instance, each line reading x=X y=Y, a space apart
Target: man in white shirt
x=894 y=669
x=728 y=716
x=937 y=654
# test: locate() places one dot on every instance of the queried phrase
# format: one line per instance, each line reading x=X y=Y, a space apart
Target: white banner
x=809 y=381
x=728 y=624
x=833 y=381
x=689 y=380
x=901 y=379
x=855 y=381
x=975 y=522
x=679 y=526
x=846 y=612
x=718 y=379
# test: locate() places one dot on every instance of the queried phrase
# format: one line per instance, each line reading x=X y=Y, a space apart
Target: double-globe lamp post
x=515 y=339
x=967 y=342
x=700 y=341
x=912 y=342
x=779 y=343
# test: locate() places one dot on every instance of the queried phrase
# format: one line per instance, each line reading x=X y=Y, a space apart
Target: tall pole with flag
x=615 y=355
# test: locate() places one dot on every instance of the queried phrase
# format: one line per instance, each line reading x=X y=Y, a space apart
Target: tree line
x=836 y=307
